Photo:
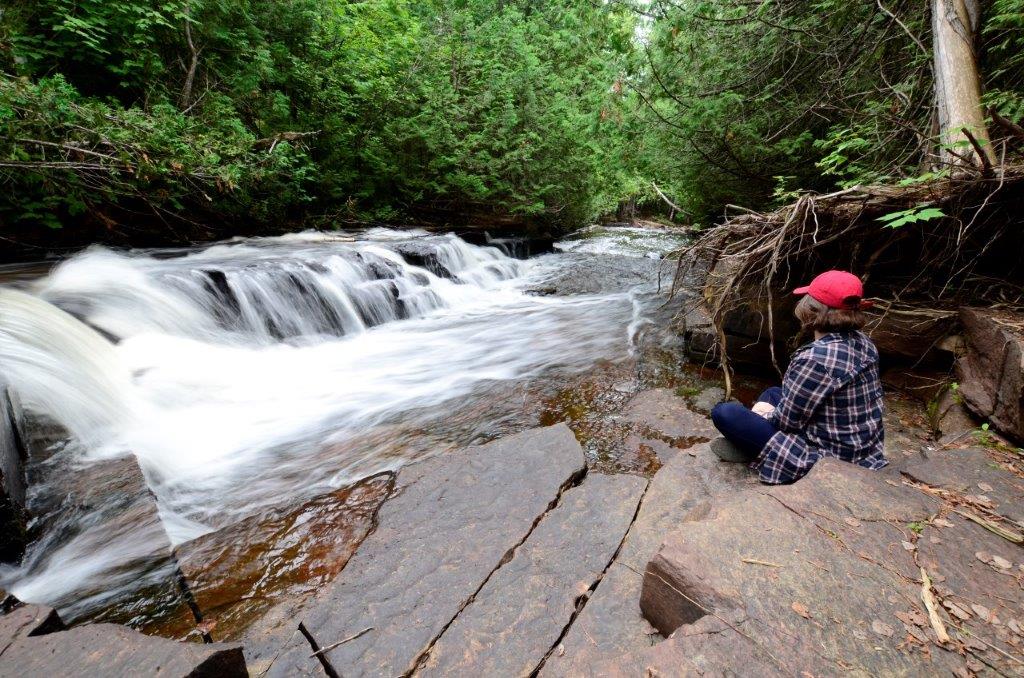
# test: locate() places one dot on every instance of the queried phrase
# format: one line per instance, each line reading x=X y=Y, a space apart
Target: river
x=260 y=372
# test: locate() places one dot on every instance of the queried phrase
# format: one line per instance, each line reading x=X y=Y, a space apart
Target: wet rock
x=238 y=573
x=992 y=368
x=519 y=614
x=580 y=273
x=972 y=472
x=611 y=624
x=646 y=455
x=423 y=254
x=111 y=650
x=24 y=621
x=107 y=506
x=807 y=578
x=698 y=331
x=452 y=521
x=13 y=518
x=668 y=416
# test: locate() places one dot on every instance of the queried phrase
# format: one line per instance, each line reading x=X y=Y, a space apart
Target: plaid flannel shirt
x=831 y=407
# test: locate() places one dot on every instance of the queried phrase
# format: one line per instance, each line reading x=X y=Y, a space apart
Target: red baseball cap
x=837 y=289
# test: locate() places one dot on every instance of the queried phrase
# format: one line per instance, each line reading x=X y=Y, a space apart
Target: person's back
x=832 y=408
x=830 y=403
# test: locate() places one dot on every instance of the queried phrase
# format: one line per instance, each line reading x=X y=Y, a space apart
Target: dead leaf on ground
x=881 y=628
x=915 y=617
x=801 y=610
x=981 y=611
x=942 y=522
x=956 y=610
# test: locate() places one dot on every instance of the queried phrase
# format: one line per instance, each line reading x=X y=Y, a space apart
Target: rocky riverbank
x=514 y=559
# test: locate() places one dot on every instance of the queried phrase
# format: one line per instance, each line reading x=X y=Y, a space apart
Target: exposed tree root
x=973 y=250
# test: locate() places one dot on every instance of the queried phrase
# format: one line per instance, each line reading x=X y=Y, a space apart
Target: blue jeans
x=748 y=431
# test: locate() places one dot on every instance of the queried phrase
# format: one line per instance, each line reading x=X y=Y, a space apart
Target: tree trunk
x=957 y=83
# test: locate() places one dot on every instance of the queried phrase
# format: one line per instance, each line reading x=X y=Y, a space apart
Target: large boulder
x=991 y=368
x=23 y=621
x=811 y=579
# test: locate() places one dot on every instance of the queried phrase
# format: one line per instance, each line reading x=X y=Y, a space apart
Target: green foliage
x=484 y=107
x=913 y=215
x=1004 y=55
x=257 y=113
x=985 y=437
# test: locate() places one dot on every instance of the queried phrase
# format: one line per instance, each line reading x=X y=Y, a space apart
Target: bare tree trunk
x=193 y=66
x=957 y=83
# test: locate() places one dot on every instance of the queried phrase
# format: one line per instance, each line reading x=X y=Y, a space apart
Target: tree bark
x=193 y=66
x=957 y=83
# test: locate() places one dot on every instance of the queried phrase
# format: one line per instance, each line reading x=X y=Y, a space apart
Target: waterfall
x=266 y=290
x=263 y=371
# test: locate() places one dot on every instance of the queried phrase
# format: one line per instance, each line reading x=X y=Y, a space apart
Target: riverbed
x=263 y=373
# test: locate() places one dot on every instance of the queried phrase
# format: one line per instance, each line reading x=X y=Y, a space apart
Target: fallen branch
x=664 y=197
x=755 y=561
x=340 y=642
x=928 y=598
x=1008 y=535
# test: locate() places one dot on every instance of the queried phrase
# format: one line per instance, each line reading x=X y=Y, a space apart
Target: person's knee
x=724 y=414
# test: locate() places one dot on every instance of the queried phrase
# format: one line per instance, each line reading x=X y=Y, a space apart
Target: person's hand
x=763 y=409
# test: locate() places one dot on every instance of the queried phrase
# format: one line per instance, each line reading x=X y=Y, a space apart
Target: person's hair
x=816 y=316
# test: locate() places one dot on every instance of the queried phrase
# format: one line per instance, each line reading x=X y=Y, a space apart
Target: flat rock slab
x=972 y=472
x=112 y=650
x=978 y=572
x=661 y=412
x=611 y=624
x=453 y=520
x=27 y=620
x=237 y=573
x=813 y=577
x=520 y=613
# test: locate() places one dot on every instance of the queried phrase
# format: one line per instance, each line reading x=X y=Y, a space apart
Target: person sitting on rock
x=830 y=403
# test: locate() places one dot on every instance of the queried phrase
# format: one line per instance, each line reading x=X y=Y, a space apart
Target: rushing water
x=257 y=372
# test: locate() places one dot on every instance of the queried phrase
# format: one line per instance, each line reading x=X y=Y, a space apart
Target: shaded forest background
x=176 y=120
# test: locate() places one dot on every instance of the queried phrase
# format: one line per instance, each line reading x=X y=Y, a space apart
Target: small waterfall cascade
x=261 y=371
x=266 y=290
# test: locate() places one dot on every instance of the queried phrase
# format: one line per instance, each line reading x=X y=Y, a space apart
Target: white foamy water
x=259 y=371
x=627 y=241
